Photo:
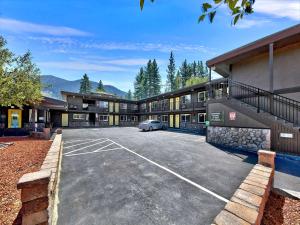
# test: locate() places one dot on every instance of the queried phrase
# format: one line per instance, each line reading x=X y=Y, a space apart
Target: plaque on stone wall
x=217 y=117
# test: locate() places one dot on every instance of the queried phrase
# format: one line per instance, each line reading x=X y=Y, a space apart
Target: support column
x=271 y=75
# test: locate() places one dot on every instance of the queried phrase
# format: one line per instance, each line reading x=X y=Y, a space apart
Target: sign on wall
x=232 y=115
x=217 y=117
x=286 y=135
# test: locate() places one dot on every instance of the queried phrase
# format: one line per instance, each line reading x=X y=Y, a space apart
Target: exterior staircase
x=273 y=111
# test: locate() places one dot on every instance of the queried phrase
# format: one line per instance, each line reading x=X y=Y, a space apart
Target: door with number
x=171 y=121
x=111 y=107
x=116 y=120
x=177 y=121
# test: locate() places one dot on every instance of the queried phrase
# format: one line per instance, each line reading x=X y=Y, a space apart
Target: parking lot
x=124 y=176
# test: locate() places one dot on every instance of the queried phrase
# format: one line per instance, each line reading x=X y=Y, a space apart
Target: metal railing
x=264 y=101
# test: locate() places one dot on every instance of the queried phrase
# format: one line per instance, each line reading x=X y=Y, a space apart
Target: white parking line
x=175 y=174
x=97 y=150
x=76 y=150
x=70 y=146
x=84 y=153
x=68 y=142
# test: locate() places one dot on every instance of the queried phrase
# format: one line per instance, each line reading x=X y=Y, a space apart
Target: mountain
x=53 y=86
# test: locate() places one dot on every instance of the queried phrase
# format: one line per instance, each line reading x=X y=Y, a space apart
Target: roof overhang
x=221 y=64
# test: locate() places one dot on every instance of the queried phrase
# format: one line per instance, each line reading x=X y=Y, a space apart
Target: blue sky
x=110 y=40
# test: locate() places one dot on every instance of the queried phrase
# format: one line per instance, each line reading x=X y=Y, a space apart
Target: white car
x=150 y=125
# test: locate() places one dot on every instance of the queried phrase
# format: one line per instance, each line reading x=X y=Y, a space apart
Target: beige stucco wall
x=255 y=71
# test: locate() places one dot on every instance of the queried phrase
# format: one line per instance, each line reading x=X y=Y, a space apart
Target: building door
x=177 y=121
x=171 y=121
x=117 y=106
x=177 y=101
x=65 y=119
x=116 y=120
x=14 y=118
x=171 y=104
x=111 y=107
x=111 y=120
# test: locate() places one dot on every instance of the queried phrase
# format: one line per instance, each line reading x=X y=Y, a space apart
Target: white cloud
x=279 y=8
x=81 y=66
x=248 y=23
x=147 y=47
x=27 y=27
x=54 y=40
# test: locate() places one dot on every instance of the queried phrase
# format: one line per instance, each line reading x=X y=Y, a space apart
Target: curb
x=248 y=202
x=38 y=189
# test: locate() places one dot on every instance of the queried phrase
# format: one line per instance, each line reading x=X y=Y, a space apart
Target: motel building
x=256 y=105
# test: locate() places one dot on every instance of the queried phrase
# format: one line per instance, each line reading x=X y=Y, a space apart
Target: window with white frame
x=77 y=116
x=134 y=118
x=123 y=118
x=202 y=96
x=103 y=118
x=164 y=118
x=201 y=117
x=123 y=105
x=143 y=106
x=186 y=99
x=103 y=104
x=185 y=118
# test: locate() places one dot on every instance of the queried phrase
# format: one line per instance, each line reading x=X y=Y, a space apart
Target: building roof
x=100 y=96
x=280 y=39
x=52 y=103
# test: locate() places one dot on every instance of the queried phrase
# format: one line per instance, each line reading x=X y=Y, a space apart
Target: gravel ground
x=281 y=210
x=24 y=156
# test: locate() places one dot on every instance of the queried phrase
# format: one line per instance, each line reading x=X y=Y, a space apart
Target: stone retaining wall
x=248 y=202
x=240 y=138
x=38 y=188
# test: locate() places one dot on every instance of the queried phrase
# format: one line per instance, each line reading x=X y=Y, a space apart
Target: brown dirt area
x=24 y=156
x=281 y=210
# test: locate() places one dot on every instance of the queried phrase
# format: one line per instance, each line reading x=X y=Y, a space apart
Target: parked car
x=150 y=125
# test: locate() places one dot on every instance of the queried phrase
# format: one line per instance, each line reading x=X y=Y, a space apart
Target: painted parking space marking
x=79 y=149
x=70 y=146
x=175 y=174
x=76 y=140
x=110 y=143
x=85 y=153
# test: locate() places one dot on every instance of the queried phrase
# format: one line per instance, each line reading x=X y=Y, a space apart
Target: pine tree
x=185 y=72
x=193 y=68
x=171 y=70
x=139 y=85
x=100 y=87
x=129 y=95
x=85 y=85
x=178 y=81
x=156 y=79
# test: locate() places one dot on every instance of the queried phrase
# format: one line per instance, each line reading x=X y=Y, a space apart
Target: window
x=123 y=118
x=143 y=106
x=202 y=96
x=103 y=105
x=218 y=93
x=185 y=118
x=164 y=118
x=201 y=117
x=186 y=99
x=80 y=116
x=135 y=107
x=103 y=118
x=123 y=106
x=134 y=118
